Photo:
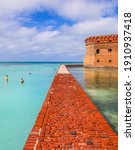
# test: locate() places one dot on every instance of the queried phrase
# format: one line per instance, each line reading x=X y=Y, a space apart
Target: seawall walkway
x=68 y=120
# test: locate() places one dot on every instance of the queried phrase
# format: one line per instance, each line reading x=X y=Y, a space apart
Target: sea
x=101 y=85
x=20 y=103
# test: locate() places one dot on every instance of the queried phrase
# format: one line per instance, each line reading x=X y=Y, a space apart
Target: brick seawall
x=68 y=120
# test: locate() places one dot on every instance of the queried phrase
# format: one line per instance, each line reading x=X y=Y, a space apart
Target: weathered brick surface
x=104 y=58
x=68 y=120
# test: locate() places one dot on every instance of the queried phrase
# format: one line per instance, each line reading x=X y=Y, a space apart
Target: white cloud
x=93 y=27
x=73 y=9
x=67 y=40
x=46 y=36
x=81 y=9
x=14 y=6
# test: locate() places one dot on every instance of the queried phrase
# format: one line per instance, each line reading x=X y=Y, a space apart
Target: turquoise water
x=20 y=103
x=101 y=85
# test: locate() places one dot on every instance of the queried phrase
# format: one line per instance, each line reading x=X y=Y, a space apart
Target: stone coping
x=63 y=70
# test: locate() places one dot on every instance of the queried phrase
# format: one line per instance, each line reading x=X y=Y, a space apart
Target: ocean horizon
x=41 y=62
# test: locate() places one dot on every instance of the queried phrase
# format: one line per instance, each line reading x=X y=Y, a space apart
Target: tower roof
x=113 y=38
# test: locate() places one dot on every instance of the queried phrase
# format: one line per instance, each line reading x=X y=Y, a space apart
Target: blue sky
x=45 y=30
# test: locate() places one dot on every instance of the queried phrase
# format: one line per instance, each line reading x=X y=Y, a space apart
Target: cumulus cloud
x=14 y=6
x=81 y=9
x=66 y=41
x=73 y=9
x=92 y=27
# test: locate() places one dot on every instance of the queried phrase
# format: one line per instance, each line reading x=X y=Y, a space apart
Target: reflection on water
x=102 y=87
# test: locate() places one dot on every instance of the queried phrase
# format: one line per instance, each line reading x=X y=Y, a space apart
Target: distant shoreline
x=43 y=62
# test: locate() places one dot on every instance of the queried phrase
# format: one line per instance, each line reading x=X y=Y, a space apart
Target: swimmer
x=6 y=78
x=22 y=81
x=30 y=73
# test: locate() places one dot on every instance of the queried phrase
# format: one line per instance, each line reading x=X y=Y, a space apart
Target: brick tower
x=101 y=51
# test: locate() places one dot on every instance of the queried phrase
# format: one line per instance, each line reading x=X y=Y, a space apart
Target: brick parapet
x=68 y=120
x=102 y=39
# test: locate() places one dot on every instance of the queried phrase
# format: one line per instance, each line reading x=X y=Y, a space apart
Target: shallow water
x=102 y=87
x=20 y=103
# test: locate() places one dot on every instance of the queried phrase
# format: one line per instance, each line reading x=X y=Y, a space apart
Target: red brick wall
x=104 y=58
